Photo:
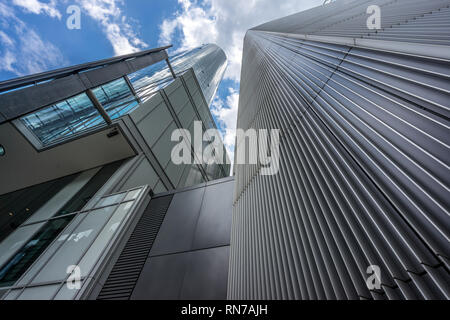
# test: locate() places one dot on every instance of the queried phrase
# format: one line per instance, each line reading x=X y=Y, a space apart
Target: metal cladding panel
x=421 y=21
x=207 y=275
x=430 y=27
x=165 y=274
x=123 y=277
x=214 y=220
x=189 y=259
x=364 y=169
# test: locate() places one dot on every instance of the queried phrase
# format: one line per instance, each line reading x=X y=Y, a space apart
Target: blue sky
x=34 y=36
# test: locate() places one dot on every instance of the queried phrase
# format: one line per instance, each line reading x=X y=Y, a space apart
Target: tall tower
x=209 y=63
x=363 y=184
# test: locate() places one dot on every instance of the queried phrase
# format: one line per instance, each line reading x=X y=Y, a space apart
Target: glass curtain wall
x=33 y=236
x=81 y=243
x=208 y=61
x=78 y=114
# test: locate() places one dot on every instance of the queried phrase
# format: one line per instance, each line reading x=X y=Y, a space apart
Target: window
x=63 y=120
x=11 y=272
x=149 y=80
x=16 y=207
x=116 y=98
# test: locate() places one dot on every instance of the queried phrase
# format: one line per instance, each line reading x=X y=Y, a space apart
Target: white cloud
x=6 y=12
x=119 y=32
x=37 y=7
x=225 y=22
x=7 y=61
x=22 y=50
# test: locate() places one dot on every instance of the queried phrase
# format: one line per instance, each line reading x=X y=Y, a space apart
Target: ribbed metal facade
x=364 y=155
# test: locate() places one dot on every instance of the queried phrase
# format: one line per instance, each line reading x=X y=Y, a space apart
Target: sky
x=34 y=36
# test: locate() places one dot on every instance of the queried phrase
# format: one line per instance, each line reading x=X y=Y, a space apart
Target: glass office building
x=78 y=114
x=84 y=150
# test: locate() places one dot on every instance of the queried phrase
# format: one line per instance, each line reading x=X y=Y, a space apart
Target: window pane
x=94 y=252
x=132 y=194
x=66 y=293
x=22 y=260
x=111 y=200
x=39 y=293
x=83 y=197
x=18 y=206
x=12 y=295
x=32 y=246
x=116 y=98
x=44 y=257
x=64 y=119
x=146 y=82
x=14 y=242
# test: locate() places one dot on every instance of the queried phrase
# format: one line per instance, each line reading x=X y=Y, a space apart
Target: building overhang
x=23 y=165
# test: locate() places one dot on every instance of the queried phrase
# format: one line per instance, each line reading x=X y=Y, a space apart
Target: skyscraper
x=360 y=206
x=208 y=62
x=83 y=151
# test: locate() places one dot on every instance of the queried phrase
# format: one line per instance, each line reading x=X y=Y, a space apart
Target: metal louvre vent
x=126 y=271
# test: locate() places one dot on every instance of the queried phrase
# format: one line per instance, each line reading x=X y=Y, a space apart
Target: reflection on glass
x=116 y=98
x=209 y=64
x=32 y=199
x=146 y=82
x=132 y=194
x=39 y=293
x=88 y=191
x=64 y=119
x=77 y=114
x=82 y=243
x=28 y=253
x=102 y=240
x=16 y=207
